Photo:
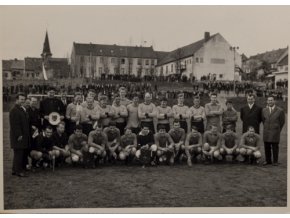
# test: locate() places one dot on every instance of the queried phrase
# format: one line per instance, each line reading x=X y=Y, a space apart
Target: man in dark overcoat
x=19 y=135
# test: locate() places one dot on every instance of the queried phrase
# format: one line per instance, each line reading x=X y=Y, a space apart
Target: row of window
x=101 y=70
x=122 y=60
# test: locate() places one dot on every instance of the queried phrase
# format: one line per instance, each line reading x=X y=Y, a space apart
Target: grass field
x=219 y=185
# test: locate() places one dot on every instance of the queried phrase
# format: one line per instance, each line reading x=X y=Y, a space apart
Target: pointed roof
x=46 y=48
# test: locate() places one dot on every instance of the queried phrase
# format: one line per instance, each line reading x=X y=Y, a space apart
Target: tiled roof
x=183 y=52
x=33 y=63
x=59 y=66
x=270 y=56
x=283 y=61
x=17 y=64
x=161 y=54
x=114 y=50
x=6 y=64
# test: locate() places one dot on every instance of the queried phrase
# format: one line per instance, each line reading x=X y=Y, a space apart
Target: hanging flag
x=44 y=72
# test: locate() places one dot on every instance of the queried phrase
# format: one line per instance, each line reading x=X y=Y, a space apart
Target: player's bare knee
x=216 y=154
x=138 y=153
x=257 y=154
x=153 y=148
x=159 y=153
x=122 y=156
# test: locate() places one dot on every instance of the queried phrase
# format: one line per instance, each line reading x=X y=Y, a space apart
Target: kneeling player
x=113 y=135
x=78 y=145
x=97 y=144
x=165 y=146
x=212 y=144
x=146 y=150
x=43 y=148
x=250 y=146
x=60 y=143
x=128 y=145
x=178 y=136
x=229 y=144
x=193 y=145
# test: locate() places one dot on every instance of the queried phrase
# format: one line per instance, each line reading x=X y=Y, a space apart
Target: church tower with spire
x=46 y=53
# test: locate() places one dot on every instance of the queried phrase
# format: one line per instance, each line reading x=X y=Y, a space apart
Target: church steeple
x=46 y=48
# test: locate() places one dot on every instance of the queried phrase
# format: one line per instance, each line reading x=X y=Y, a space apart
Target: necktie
x=270 y=110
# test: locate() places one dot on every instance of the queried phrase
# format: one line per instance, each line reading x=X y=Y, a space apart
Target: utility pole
x=234 y=48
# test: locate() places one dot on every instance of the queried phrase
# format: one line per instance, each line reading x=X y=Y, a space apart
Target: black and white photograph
x=144 y=106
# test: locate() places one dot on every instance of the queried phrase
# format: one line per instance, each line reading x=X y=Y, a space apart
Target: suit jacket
x=19 y=126
x=251 y=117
x=273 y=124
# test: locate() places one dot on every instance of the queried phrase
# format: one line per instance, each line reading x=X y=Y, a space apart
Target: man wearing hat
x=164 y=114
x=49 y=105
x=120 y=115
x=107 y=112
x=147 y=113
x=180 y=112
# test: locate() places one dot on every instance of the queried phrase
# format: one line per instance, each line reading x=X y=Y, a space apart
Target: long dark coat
x=19 y=126
x=251 y=117
x=273 y=124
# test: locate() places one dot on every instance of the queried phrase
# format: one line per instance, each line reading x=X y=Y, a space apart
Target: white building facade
x=210 y=57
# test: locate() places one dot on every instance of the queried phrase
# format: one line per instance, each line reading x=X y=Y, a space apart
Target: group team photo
x=155 y=116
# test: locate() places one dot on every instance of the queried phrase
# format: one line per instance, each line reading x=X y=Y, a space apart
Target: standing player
x=212 y=144
x=180 y=112
x=78 y=144
x=106 y=111
x=91 y=94
x=133 y=119
x=147 y=112
x=193 y=145
x=128 y=145
x=88 y=116
x=97 y=144
x=120 y=115
x=49 y=105
x=123 y=100
x=250 y=146
x=229 y=116
x=165 y=146
x=113 y=136
x=213 y=112
x=71 y=113
x=229 y=145
x=197 y=115
x=164 y=114
x=178 y=136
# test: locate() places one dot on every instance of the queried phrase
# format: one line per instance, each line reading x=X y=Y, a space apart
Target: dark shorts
x=121 y=127
x=167 y=126
x=149 y=124
x=183 y=125
x=135 y=130
x=87 y=128
x=199 y=126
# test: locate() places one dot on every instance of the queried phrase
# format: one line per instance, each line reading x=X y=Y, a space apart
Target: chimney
x=206 y=36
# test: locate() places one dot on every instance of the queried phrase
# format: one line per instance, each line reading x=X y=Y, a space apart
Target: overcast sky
x=254 y=29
